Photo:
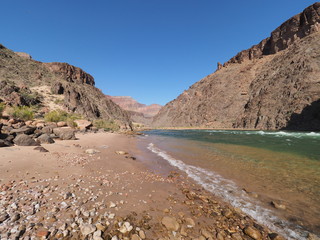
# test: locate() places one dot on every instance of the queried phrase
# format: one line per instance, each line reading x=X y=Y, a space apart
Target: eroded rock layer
x=19 y=74
x=273 y=85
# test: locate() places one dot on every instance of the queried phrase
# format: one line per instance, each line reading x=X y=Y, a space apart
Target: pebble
x=87 y=229
x=121 y=152
x=135 y=237
x=253 y=233
x=170 y=223
x=278 y=205
x=97 y=235
x=92 y=151
x=142 y=235
x=190 y=223
x=125 y=227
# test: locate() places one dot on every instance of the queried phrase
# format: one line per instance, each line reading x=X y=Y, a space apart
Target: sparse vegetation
x=2 y=106
x=62 y=116
x=107 y=125
x=21 y=112
x=30 y=98
x=56 y=116
x=58 y=101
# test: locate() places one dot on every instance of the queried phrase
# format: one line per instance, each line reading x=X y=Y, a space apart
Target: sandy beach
x=95 y=187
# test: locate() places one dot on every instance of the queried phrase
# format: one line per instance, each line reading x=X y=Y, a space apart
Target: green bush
x=2 y=106
x=106 y=125
x=22 y=112
x=60 y=115
x=56 y=116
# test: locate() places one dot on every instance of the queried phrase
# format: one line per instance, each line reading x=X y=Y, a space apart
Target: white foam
x=273 y=133
x=228 y=190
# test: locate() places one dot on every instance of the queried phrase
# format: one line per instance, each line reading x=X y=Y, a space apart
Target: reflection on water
x=282 y=166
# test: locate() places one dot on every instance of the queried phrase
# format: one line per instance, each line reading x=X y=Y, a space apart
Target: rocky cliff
x=23 y=79
x=272 y=85
x=139 y=113
x=130 y=104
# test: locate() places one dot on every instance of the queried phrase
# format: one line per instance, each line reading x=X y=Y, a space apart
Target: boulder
x=83 y=124
x=62 y=124
x=47 y=130
x=23 y=130
x=65 y=133
x=41 y=149
x=25 y=140
x=2 y=143
x=45 y=138
x=6 y=142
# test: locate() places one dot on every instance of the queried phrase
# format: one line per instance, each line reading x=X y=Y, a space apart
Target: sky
x=151 y=50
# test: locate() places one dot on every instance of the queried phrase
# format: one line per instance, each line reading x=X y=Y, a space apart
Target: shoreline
x=71 y=194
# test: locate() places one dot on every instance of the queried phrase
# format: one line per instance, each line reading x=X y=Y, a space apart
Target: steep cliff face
x=70 y=73
x=20 y=75
x=286 y=86
x=297 y=27
x=272 y=85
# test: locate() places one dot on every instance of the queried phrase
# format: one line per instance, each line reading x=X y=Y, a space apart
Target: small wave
x=266 y=133
x=228 y=190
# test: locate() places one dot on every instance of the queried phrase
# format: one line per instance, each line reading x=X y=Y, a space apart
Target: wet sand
x=67 y=193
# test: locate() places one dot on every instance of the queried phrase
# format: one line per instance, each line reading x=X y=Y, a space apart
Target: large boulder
x=2 y=143
x=83 y=124
x=25 y=140
x=65 y=133
x=23 y=130
x=47 y=130
x=45 y=138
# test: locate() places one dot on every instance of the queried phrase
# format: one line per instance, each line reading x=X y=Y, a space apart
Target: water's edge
x=228 y=190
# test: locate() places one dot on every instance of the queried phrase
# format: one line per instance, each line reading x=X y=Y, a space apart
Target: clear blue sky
x=151 y=50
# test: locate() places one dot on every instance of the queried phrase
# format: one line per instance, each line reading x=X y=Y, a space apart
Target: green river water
x=237 y=165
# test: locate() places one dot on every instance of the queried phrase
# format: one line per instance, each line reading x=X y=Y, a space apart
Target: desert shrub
x=70 y=119
x=106 y=125
x=59 y=101
x=2 y=106
x=60 y=115
x=56 y=116
x=21 y=112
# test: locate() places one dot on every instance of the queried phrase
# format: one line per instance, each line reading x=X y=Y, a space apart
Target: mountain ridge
x=258 y=89
x=21 y=77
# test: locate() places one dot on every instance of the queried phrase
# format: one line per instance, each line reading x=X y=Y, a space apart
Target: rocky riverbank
x=95 y=188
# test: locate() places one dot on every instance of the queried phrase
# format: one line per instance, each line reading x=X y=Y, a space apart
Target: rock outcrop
x=71 y=73
x=297 y=27
x=273 y=85
x=21 y=79
x=130 y=104
x=139 y=113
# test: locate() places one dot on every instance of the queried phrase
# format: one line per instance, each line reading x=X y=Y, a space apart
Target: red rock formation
x=130 y=104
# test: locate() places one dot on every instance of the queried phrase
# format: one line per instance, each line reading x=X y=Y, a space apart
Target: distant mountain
x=24 y=81
x=273 y=85
x=139 y=112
